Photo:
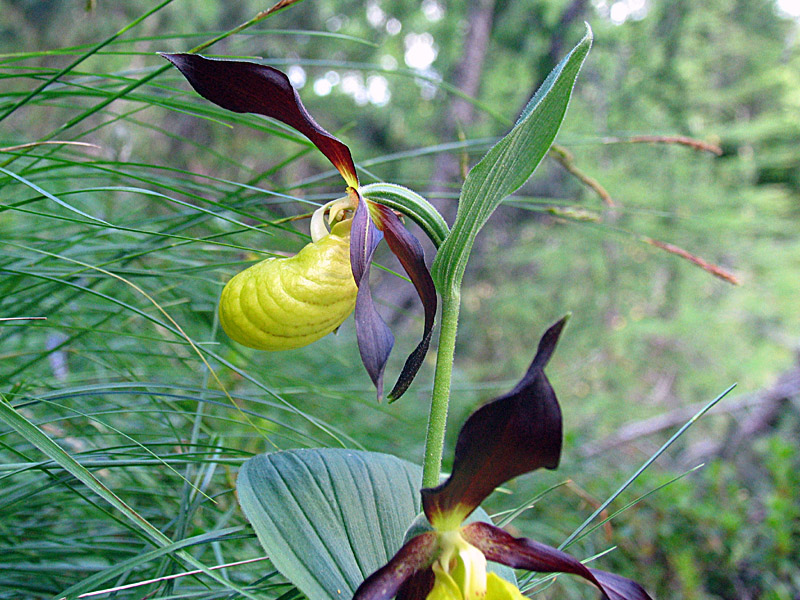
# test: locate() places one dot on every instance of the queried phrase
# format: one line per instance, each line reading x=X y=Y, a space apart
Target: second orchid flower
x=446 y=557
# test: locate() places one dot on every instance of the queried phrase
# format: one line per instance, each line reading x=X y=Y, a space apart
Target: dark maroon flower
x=514 y=434
x=242 y=86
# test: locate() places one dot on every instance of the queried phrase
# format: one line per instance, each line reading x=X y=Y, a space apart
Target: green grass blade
x=49 y=448
x=573 y=536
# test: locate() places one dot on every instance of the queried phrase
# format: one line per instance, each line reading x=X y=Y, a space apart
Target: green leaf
x=507 y=166
x=329 y=517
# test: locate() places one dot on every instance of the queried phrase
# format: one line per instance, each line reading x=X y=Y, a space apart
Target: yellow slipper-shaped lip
x=285 y=303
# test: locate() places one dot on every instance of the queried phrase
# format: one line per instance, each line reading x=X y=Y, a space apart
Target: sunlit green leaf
x=330 y=517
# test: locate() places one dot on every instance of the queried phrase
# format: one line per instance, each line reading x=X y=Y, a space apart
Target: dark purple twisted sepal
x=375 y=339
x=404 y=573
x=522 y=553
x=514 y=434
x=418 y=586
x=248 y=87
x=409 y=252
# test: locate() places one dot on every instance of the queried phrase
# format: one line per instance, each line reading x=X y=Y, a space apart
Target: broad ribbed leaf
x=507 y=166
x=329 y=518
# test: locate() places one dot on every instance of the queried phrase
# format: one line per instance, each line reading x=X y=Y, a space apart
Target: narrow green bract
x=507 y=166
x=411 y=204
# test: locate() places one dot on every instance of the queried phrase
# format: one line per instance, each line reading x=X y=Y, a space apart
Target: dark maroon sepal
x=522 y=553
x=418 y=586
x=243 y=87
x=375 y=339
x=409 y=252
x=617 y=587
x=414 y=557
x=514 y=434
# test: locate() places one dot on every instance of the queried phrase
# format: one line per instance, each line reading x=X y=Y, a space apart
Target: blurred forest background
x=124 y=243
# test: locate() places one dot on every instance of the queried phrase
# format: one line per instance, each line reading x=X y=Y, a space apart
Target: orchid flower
x=514 y=434
x=284 y=303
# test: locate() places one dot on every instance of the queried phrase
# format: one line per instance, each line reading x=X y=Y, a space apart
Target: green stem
x=437 y=421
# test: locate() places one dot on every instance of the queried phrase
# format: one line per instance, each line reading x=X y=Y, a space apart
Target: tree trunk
x=461 y=113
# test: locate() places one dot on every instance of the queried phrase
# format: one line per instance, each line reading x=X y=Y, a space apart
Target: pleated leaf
x=328 y=518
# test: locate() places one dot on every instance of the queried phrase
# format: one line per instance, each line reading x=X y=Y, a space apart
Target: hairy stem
x=437 y=420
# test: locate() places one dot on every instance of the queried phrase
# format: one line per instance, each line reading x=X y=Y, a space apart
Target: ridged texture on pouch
x=285 y=303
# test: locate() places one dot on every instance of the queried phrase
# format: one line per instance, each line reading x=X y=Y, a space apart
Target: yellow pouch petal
x=285 y=303
x=498 y=588
x=444 y=586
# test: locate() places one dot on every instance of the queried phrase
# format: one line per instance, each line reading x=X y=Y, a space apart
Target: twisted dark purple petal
x=418 y=586
x=375 y=339
x=409 y=251
x=617 y=587
x=514 y=434
x=522 y=553
x=413 y=558
x=243 y=86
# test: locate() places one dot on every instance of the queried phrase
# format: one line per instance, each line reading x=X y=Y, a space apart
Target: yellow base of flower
x=460 y=574
x=285 y=303
x=497 y=588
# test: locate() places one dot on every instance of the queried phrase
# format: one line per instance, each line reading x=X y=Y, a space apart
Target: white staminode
x=318 y=228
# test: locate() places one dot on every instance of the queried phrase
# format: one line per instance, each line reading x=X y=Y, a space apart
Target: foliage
x=730 y=532
x=124 y=247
